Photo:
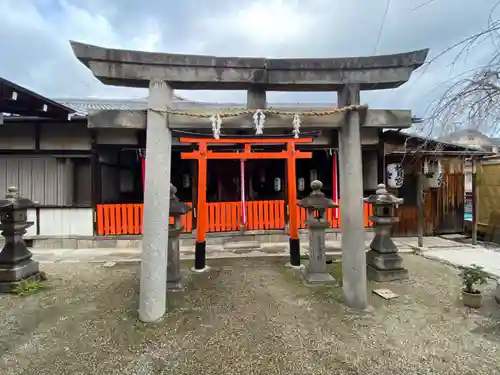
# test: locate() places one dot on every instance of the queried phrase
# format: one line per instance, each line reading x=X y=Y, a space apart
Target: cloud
x=35 y=51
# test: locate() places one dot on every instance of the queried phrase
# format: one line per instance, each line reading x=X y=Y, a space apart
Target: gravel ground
x=247 y=316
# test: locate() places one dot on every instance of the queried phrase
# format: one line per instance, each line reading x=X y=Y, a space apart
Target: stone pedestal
x=316 y=204
x=177 y=210
x=383 y=261
x=315 y=271
x=16 y=264
x=174 y=278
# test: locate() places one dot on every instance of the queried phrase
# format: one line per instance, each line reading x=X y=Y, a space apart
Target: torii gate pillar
x=153 y=289
x=351 y=207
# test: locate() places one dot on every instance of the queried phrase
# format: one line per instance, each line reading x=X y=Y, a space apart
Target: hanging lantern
x=277 y=184
x=313 y=175
x=185 y=181
x=395 y=175
x=301 y=183
x=436 y=175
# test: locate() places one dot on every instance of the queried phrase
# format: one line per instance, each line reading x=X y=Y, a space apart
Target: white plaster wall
x=66 y=222
x=31 y=231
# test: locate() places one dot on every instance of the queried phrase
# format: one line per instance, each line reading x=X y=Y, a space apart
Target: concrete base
x=299 y=267
x=201 y=270
x=20 y=271
x=319 y=278
x=11 y=286
x=187 y=239
x=386 y=275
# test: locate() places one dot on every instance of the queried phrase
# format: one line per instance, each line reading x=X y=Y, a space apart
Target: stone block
x=18 y=271
x=319 y=278
x=383 y=244
x=386 y=275
x=10 y=286
x=384 y=261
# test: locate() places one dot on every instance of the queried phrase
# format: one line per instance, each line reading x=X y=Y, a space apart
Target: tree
x=472 y=98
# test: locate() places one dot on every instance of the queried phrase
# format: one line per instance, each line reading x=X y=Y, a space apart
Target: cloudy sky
x=35 y=52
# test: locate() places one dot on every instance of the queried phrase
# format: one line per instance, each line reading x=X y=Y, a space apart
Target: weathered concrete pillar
x=351 y=202
x=256 y=98
x=153 y=290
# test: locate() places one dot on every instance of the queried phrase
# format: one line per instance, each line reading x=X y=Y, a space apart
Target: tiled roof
x=83 y=106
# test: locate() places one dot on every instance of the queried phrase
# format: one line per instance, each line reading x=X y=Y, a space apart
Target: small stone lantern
x=177 y=209
x=16 y=264
x=316 y=204
x=383 y=260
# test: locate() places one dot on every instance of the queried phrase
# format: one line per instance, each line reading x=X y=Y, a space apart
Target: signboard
x=468 y=207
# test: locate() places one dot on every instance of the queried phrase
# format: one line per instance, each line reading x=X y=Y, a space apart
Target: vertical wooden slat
x=230 y=218
x=234 y=214
x=211 y=219
x=216 y=218
x=112 y=219
x=222 y=216
x=141 y=218
x=100 y=219
x=128 y=218
x=265 y=209
x=137 y=210
x=238 y=215
x=260 y=215
x=250 y=223
x=255 y=209
x=118 y=218
x=276 y=215
x=282 y=214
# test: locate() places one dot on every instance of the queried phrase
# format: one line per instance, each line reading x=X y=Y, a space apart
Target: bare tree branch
x=471 y=99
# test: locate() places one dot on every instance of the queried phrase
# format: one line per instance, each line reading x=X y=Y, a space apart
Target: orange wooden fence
x=118 y=219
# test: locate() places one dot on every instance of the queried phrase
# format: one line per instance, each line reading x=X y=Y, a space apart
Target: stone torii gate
x=161 y=73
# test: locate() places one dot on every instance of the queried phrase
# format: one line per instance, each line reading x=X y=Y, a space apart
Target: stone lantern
x=383 y=260
x=316 y=204
x=16 y=264
x=177 y=209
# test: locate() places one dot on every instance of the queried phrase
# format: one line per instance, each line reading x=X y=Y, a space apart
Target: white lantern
x=313 y=175
x=301 y=184
x=395 y=175
x=185 y=181
x=436 y=175
x=277 y=184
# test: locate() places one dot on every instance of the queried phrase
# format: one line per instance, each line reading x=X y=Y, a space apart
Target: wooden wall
x=444 y=206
